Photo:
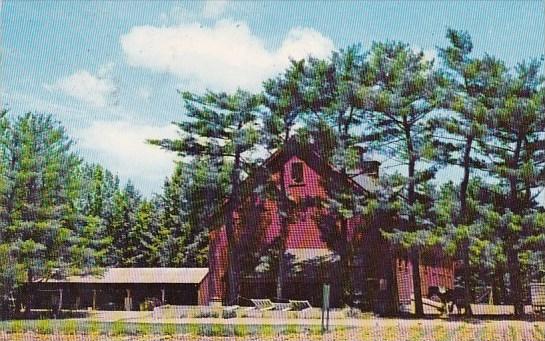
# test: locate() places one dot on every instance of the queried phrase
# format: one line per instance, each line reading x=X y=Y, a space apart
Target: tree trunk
x=464 y=219
x=284 y=225
x=467 y=280
x=345 y=254
x=515 y=281
x=512 y=251
x=28 y=292
x=411 y=201
x=232 y=249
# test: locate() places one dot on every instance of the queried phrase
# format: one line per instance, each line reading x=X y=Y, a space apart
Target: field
x=364 y=330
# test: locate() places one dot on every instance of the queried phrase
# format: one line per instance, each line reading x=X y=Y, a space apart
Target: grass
x=385 y=331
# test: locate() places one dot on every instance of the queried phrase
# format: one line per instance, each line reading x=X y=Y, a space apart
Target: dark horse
x=454 y=297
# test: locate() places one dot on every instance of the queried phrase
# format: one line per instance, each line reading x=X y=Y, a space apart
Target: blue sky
x=109 y=71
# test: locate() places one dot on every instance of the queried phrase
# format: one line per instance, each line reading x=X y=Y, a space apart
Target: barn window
x=297 y=172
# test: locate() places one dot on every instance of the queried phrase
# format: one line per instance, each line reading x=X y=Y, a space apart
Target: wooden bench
x=267 y=304
x=262 y=304
x=537 y=296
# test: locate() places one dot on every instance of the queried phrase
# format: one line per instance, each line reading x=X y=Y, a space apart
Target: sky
x=110 y=71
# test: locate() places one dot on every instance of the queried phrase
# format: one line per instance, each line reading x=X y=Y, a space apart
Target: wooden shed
x=124 y=289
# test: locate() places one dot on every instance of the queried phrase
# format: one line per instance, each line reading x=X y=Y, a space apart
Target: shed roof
x=142 y=275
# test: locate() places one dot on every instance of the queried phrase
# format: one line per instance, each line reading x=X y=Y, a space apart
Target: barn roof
x=141 y=275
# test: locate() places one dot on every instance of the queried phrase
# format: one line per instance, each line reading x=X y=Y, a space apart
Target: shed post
x=162 y=295
x=94 y=299
x=60 y=299
x=128 y=300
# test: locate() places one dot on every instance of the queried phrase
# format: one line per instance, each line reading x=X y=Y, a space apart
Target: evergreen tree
x=97 y=187
x=41 y=215
x=473 y=87
x=122 y=227
x=222 y=128
x=336 y=112
x=400 y=93
x=285 y=99
x=516 y=158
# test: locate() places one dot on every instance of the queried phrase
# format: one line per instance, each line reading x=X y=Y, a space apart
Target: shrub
x=266 y=330
x=194 y=329
x=44 y=327
x=241 y=330
x=143 y=329
x=217 y=330
x=118 y=328
x=16 y=326
x=92 y=327
x=291 y=329
x=169 y=329
x=69 y=327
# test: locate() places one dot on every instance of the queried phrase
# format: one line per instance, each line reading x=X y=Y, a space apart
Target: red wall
x=440 y=273
x=304 y=233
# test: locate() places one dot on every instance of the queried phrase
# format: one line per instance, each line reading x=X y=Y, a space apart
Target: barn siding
x=304 y=232
x=439 y=274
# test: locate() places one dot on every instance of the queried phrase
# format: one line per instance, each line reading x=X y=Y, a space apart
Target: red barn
x=315 y=240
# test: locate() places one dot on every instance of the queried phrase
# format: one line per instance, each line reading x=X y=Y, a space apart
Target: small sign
x=325 y=304
x=325 y=308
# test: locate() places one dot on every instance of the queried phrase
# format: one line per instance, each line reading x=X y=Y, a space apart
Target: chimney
x=367 y=166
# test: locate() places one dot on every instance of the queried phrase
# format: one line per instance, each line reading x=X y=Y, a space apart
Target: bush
x=92 y=327
x=16 y=326
x=118 y=328
x=69 y=327
x=169 y=329
x=241 y=330
x=266 y=330
x=291 y=329
x=143 y=329
x=44 y=327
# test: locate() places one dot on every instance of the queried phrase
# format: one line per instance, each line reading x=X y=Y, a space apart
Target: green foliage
x=44 y=327
x=40 y=224
x=118 y=328
x=220 y=128
x=69 y=327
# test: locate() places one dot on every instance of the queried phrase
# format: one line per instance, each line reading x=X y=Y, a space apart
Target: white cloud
x=224 y=56
x=122 y=148
x=96 y=90
x=214 y=8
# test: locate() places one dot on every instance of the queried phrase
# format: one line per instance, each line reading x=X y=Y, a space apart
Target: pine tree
x=222 y=128
x=400 y=93
x=472 y=89
x=41 y=202
x=122 y=227
x=97 y=186
x=516 y=159
x=336 y=109
x=285 y=99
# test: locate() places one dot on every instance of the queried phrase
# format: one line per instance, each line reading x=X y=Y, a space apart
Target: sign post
x=325 y=308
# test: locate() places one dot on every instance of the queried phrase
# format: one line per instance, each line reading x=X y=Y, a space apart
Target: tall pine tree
x=222 y=128
x=401 y=99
